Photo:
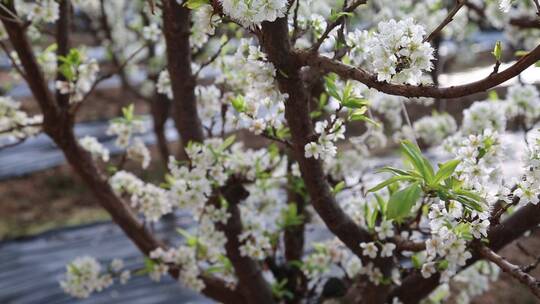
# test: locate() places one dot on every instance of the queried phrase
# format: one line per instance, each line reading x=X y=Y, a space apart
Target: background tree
x=296 y=74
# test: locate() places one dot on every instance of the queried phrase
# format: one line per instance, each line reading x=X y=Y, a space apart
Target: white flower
x=397 y=53
x=164 y=84
x=369 y=249
x=124 y=276
x=138 y=152
x=312 y=149
x=504 y=5
x=117 y=265
x=44 y=10
x=151 y=32
x=84 y=277
x=526 y=195
x=92 y=145
x=388 y=249
x=15 y=123
x=204 y=24
x=434 y=129
x=428 y=269
x=385 y=230
x=254 y=12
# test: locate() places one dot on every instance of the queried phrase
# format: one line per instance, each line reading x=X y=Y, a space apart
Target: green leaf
x=392 y=180
x=195 y=4
x=239 y=104
x=393 y=171
x=330 y=84
x=413 y=154
x=416 y=261
x=127 y=112
x=497 y=51
x=227 y=142
x=446 y=170
x=354 y=102
x=382 y=203
x=337 y=188
x=290 y=217
x=492 y=95
x=335 y=16
x=401 y=202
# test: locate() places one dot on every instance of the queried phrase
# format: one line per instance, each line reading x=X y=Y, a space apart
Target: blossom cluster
x=92 y=145
x=84 y=276
x=16 y=123
x=397 y=53
x=147 y=198
x=523 y=101
x=204 y=24
x=251 y=13
x=328 y=133
x=435 y=128
x=125 y=129
x=80 y=79
x=42 y=11
x=184 y=257
x=260 y=103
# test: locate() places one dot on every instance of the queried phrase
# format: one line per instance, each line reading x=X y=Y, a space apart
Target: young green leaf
x=337 y=188
x=445 y=171
x=413 y=154
x=239 y=104
x=392 y=180
x=195 y=4
x=401 y=202
x=497 y=51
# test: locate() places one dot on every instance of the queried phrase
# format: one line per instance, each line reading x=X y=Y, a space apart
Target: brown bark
x=250 y=280
x=63 y=44
x=293 y=239
x=414 y=288
x=514 y=270
x=275 y=41
x=176 y=28
x=276 y=44
x=160 y=112
x=350 y=72
x=59 y=126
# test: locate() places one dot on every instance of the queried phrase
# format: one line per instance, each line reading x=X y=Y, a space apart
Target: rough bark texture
x=176 y=28
x=63 y=44
x=370 y=80
x=275 y=41
x=250 y=279
x=276 y=44
x=59 y=126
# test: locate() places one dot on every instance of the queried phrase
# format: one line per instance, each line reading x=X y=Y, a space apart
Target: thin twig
x=13 y=61
x=335 y=24
x=446 y=21
x=513 y=270
x=408 y=120
x=112 y=73
x=213 y=57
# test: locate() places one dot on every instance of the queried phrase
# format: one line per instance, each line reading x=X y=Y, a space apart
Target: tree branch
x=250 y=280
x=446 y=21
x=276 y=44
x=336 y=23
x=63 y=44
x=176 y=28
x=513 y=270
x=60 y=129
x=350 y=72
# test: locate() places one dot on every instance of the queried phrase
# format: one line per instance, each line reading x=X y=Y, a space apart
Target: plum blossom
x=252 y=13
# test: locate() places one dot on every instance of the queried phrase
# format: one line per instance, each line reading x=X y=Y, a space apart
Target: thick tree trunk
x=251 y=282
x=176 y=28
